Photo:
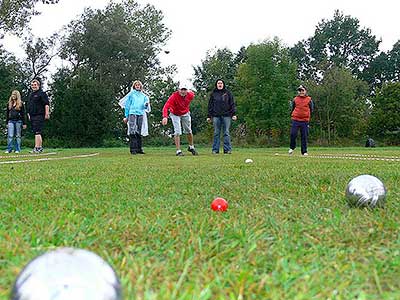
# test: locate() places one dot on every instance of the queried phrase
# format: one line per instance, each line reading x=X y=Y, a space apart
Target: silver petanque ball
x=366 y=191
x=66 y=274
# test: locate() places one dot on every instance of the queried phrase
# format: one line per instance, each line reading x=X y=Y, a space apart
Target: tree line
x=354 y=85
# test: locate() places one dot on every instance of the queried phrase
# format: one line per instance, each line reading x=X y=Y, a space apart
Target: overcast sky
x=200 y=25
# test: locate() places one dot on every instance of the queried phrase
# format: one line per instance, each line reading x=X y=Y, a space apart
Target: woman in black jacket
x=221 y=110
x=15 y=120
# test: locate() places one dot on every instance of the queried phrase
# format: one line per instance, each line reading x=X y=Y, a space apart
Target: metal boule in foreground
x=366 y=191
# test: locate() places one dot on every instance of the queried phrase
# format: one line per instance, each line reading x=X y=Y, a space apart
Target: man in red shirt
x=302 y=107
x=178 y=106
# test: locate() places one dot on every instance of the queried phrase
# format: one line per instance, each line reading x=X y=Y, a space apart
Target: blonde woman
x=136 y=105
x=15 y=120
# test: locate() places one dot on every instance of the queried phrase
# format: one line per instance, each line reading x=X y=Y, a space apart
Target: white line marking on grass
x=47 y=159
x=349 y=157
x=27 y=155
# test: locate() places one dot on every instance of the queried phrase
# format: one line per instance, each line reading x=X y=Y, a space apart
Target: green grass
x=288 y=233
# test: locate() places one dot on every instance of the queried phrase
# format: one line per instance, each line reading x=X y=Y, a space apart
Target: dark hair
x=217 y=82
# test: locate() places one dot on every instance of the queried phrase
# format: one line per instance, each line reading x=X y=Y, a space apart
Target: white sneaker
x=291 y=151
x=305 y=154
x=7 y=152
x=16 y=152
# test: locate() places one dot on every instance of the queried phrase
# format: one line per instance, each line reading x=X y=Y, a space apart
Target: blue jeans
x=14 y=130
x=303 y=127
x=225 y=124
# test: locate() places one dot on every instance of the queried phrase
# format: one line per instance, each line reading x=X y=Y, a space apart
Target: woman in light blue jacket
x=135 y=108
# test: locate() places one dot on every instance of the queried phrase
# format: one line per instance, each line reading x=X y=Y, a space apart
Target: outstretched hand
x=234 y=118
x=164 y=121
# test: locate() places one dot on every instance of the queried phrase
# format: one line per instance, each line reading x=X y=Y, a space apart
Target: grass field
x=288 y=233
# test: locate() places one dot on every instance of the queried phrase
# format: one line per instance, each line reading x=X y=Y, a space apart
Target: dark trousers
x=135 y=143
x=303 y=126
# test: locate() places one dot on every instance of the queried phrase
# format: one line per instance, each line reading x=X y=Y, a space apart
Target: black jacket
x=37 y=102
x=221 y=104
x=15 y=115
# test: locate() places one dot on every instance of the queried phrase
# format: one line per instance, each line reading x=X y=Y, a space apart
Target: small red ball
x=219 y=204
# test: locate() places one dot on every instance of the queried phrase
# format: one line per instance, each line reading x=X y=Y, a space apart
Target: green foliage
x=266 y=82
x=118 y=44
x=385 y=116
x=84 y=110
x=287 y=234
x=11 y=78
x=14 y=15
x=337 y=42
x=340 y=105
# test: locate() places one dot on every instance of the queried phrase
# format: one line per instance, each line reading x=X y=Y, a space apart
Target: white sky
x=200 y=25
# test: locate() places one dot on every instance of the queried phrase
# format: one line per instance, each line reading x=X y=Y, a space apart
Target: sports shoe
x=228 y=152
x=215 y=152
x=192 y=150
x=291 y=151
x=305 y=154
x=34 y=151
x=7 y=152
x=16 y=152
x=179 y=153
x=140 y=152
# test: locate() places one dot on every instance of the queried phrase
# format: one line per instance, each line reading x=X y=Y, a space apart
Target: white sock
x=191 y=146
x=179 y=150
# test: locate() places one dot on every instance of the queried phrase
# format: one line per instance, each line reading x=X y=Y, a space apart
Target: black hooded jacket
x=37 y=102
x=221 y=103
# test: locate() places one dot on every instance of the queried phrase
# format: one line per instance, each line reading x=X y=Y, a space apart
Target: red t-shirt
x=177 y=104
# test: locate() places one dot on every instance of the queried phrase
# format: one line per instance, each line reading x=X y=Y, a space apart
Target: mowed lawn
x=288 y=232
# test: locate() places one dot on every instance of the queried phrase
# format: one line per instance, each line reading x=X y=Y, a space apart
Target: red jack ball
x=219 y=204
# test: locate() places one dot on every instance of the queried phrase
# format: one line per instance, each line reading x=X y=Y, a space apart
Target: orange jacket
x=302 y=108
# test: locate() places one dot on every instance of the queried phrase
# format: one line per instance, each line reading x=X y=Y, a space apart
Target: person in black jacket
x=221 y=110
x=38 y=111
x=15 y=120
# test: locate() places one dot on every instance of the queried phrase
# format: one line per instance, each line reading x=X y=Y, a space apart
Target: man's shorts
x=37 y=123
x=186 y=123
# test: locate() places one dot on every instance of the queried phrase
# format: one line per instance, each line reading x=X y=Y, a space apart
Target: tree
x=339 y=42
x=218 y=64
x=117 y=44
x=341 y=105
x=385 y=117
x=107 y=49
x=265 y=84
x=14 y=15
x=11 y=78
x=84 y=112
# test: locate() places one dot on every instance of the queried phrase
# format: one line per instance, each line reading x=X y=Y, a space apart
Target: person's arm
x=232 y=106
x=128 y=105
x=166 y=107
x=46 y=103
x=292 y=106
x=23 y=115
x=210 y=106
x=311 y=105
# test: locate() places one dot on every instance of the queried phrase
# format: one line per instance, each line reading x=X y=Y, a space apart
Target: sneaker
x=34 y=151
x=16 y=152
x=193 y=151
x=228 y=152
x=179 y=153
x=7 y=152
x=140 y=152
x=215 y=152
x=40 y=149
x=291 y=151
x=305 y=154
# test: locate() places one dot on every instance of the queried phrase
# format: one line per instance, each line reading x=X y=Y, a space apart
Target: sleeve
x=292 y=106
x=190 y=95
x=128 y=105
x=45 y=99
x=311 y=105
x=233 y=105
x=210 y=106
x=7 y=114
x=167 y=106
x=23 y=114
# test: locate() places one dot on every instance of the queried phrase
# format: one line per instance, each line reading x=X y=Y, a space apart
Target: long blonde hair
x=140 y=83
x=15 y=102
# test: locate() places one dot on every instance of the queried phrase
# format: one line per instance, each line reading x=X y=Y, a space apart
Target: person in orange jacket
x=302 y=106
